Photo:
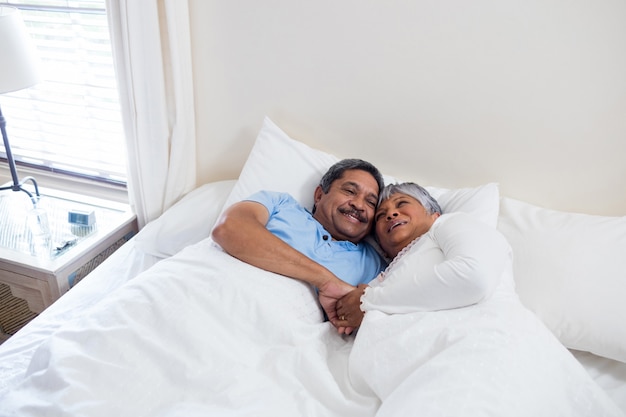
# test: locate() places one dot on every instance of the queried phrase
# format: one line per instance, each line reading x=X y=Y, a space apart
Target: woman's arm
x=460 y=263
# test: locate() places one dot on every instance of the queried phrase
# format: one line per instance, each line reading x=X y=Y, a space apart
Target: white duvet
x=446 y=335
x=465 y=362
x=203 y=334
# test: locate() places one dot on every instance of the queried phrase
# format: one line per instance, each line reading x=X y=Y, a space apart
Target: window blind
x=71 y=122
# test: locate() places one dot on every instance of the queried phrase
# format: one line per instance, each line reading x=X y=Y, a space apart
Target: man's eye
x=372 y=203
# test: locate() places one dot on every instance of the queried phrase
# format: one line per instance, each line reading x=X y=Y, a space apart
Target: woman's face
x=399 y=220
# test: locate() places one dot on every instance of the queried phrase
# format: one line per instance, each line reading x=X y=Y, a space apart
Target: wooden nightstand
x=39 y=269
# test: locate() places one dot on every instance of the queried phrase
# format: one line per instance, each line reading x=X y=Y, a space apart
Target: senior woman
x=442 y=331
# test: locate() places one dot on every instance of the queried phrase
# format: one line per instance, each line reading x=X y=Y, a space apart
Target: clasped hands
x=348 y=311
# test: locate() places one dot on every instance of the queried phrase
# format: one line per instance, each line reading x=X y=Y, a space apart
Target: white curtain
x=152 y=53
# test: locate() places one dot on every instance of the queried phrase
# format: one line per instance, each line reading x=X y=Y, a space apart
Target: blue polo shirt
x=353 y=263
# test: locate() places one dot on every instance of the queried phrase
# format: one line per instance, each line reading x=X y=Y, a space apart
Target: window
x=71 y=122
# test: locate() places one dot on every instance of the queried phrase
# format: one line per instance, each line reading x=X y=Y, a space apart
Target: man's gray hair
x=336 y=171
x=411 y=189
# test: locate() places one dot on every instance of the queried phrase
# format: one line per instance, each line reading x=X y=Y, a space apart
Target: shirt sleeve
x=459 y=262
x=270 y=199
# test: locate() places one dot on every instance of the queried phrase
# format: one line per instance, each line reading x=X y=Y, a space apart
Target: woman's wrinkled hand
x=349 y=314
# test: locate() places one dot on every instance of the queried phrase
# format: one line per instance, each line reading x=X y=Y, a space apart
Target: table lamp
x=19 y=69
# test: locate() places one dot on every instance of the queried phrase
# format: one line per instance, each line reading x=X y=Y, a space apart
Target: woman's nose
x=392 y=215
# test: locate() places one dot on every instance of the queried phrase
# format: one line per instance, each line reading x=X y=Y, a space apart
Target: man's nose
x=358 y=203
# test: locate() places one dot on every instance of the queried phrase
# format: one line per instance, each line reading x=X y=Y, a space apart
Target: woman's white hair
x=411 y=189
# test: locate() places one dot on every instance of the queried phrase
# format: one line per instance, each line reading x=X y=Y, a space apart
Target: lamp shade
x=19 y=65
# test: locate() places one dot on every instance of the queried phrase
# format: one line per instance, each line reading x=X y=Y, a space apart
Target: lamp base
x=19 y=187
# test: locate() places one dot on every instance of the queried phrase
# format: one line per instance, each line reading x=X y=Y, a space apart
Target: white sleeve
x=459 y=262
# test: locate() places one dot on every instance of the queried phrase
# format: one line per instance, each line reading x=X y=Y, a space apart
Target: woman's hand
x=349 y=313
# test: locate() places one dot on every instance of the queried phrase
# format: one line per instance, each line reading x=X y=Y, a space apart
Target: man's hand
x=349 y=315
x=329 y=293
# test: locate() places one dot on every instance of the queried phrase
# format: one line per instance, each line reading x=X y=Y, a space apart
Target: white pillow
x=570 y=269
x=280 y=163
x=188 y=221
x=482 y=202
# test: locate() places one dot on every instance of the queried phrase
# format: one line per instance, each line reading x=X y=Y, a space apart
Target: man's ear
x=317 y=195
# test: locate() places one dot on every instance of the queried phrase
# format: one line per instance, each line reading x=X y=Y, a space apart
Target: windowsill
x=67 y=183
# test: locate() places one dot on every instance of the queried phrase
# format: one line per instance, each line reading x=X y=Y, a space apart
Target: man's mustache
x=358 y=214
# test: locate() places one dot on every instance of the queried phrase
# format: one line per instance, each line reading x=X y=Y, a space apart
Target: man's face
x=347 y=210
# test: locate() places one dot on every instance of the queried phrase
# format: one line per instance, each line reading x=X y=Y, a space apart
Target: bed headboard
x=531 y=95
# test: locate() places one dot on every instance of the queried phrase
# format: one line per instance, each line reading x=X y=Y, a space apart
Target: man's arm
x=242 y=233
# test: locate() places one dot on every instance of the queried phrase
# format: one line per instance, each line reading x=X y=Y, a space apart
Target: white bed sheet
x=123 y=265
x=198 y=334
x=608 y=373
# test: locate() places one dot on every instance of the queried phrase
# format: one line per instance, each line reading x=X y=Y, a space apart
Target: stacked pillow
x=187 y=222
x=278 y=163
x=570 y=269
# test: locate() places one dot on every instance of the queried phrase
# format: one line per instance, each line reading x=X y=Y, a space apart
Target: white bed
x=171 y=325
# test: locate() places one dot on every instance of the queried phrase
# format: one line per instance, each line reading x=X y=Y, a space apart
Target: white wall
x=531 y=94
